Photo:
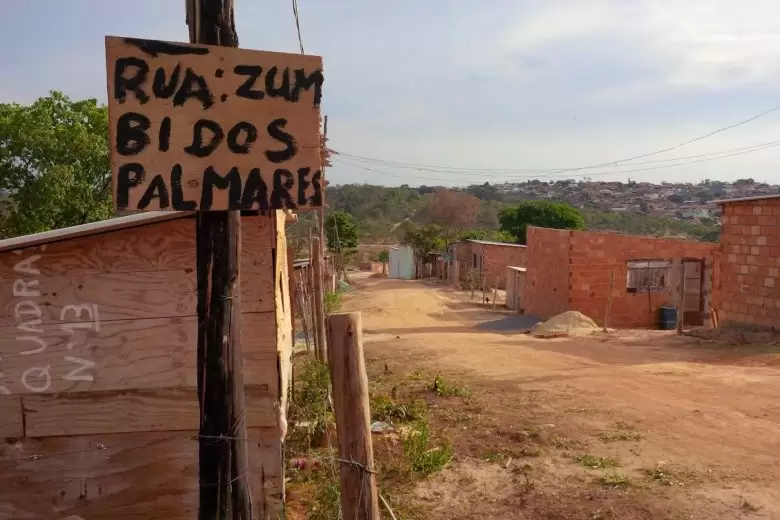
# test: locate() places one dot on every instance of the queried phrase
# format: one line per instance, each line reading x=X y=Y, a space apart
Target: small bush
x=594 y=462
x=326 y=502
x=615 y=480
x=422 y=457
x=620 y=435
x=310 y=400
x=332 y=302
x=665 y=476
x=446 y=389
x=384 y=408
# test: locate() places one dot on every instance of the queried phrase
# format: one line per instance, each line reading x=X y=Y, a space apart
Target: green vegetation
x=332 y=302
x=641 y=224
x=542 y=213
x=594 y=462
x=310 y=401
x=385 y=213
x=620 y=435
x=425 y=239
x=614 y=480
x=484 y=234
x=54 y=164
x=385 y=408
x=447 y=389
x=423 y=455
x=340 y=232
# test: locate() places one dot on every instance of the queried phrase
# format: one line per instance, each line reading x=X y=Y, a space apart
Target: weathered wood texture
x=82 y=413
x=137 y=476
x=136 y=384
x=11 y=424
x=233 y=95
x=351 y=406
x=319 y=298
x=127 y=354
x=284 y=332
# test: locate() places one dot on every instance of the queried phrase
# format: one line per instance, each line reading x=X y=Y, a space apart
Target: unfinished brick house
x=572 y=270
x=485 y=259
x=750 y=263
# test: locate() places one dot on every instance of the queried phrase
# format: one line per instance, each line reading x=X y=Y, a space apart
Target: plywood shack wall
x=98 y=358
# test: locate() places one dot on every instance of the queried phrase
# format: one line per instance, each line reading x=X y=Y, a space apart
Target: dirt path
x=695 y=428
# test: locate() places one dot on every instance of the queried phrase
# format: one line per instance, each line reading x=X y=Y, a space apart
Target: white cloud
x=700 y=43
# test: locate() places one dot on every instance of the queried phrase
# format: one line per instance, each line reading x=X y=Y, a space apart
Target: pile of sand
x=569 y=323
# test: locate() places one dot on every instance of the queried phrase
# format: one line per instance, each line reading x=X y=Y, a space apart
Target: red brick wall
x=547 y=272
x=750 y=263
x=594 y=256
x=495 y=259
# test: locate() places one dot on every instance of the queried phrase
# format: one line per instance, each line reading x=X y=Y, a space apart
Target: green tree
x=515 y=220
x=54 y=164
x=424 y=240
x=341 y=232
x=502 y=236
x=473 y=234
x=383 y=256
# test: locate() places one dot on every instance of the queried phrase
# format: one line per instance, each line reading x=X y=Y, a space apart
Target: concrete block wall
x=547 y=272
x=750 y=263
x=594 y=256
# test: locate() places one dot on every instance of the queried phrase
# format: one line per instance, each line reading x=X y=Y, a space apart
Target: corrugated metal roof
x=93 y=228
x=490 y=243
x=747 y=199
x=515 y=268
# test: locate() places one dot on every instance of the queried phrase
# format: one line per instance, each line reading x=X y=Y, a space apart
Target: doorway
x=693 y=295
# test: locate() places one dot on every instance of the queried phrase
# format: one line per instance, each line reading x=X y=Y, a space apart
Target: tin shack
x=98 y=343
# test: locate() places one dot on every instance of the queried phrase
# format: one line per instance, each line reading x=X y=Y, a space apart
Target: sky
x=488 y=90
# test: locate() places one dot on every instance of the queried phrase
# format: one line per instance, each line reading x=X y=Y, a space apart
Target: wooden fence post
x=319 y=299
x=351 y=406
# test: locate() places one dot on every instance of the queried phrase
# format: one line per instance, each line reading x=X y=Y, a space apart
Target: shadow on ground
x=516 y=322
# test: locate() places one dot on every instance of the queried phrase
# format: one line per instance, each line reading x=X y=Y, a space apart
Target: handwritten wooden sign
x=199 y=127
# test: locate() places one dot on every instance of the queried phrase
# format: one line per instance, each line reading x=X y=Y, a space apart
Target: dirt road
x=694 y=428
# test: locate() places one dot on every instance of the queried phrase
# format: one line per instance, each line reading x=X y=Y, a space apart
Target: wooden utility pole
x=319 y=299
x=223 y=461
x=351 y=406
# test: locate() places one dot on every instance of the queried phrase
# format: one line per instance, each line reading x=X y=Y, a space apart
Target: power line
x=504 y=173
x=297 y=24
x=616 y=172
x=592 y=166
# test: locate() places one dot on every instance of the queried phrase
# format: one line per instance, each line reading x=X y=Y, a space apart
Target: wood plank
x=170 y=409
x=147 y=476
x=293 y=109
x=118 y=296
x=11 y=423
x=161 y=246
x=128 y=354
x=283 y=311
x=257 y=268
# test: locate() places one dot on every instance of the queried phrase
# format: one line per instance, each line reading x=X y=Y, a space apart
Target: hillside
x=636 y=208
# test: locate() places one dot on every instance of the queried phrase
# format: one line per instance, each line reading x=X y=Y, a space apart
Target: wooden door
x=693 y=300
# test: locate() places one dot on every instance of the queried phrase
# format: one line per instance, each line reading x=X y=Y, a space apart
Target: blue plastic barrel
x=668 y=317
